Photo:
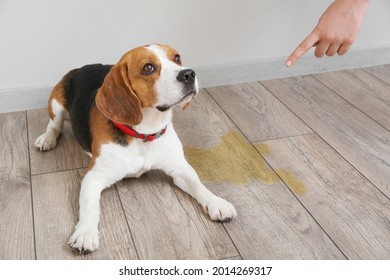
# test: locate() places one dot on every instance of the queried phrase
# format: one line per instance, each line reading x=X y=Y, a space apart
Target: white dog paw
x=46 y=142
x=220 y=210
x=85 y=242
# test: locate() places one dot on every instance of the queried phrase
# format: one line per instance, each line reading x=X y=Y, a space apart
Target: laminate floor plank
x=380 y=71
x=359 y=139
x=369 y=94
x=56 y=204
x=168 y=224
x=258 y=114
x=353 y=212
x=66 y=155
x=16 y=219
x=271 y=223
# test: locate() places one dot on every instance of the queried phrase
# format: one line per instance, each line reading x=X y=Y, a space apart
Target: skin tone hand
x=335 y=32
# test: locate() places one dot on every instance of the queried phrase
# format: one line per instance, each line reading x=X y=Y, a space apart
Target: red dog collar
x=145 y=137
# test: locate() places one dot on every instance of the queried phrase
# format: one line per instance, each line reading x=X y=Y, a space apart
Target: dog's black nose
x=186 y=76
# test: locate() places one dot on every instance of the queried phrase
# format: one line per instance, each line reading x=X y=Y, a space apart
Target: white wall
x=40 y=40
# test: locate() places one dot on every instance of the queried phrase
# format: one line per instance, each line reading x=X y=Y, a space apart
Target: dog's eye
x=178 y=59
x=148 y=69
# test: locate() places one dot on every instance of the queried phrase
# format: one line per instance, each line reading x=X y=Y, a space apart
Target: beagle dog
x=121 y=115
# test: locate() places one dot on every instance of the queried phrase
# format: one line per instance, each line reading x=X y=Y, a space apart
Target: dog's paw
x=85 y=242
x=46 y=142
x=220 y=210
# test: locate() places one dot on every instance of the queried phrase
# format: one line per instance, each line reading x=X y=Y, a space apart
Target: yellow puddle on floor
x=236 y=161
x=291 y=181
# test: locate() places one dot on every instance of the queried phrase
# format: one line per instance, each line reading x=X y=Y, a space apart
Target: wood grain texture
x=168 y=224
x=359 y=139
x=271 y=224
x=347 y=206
x=16 y=220
x=56 y=204
x=369 y=94
x=381 y=71
x=258 y=114
x=65 y=156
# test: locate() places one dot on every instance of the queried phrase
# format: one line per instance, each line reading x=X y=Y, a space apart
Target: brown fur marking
x=171 y=52
x=58 y=94
x=102 y=133
x=142 y=85
x=116 y=98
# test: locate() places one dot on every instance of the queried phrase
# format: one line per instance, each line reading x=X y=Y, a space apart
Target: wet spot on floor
x=234 y=160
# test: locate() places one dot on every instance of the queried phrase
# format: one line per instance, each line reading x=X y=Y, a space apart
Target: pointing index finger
x=303 y=47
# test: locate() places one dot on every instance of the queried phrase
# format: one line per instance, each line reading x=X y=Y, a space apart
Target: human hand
x=335 y=32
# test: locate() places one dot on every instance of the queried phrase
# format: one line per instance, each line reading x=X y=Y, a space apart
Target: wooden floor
x=305 y=160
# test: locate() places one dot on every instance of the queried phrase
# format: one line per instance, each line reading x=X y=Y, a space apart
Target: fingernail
x=288 y=63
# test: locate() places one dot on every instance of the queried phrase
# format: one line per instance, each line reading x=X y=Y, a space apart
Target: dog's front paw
x=220 y=210
x=46 y=142
x=84 y=241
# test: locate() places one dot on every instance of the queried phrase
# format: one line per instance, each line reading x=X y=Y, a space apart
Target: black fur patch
x=119 y=136
x=81 y=86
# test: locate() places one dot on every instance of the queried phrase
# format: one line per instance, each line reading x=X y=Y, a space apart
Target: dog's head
x=146 y=77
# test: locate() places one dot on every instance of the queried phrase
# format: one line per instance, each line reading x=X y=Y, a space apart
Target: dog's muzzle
x=187 y=77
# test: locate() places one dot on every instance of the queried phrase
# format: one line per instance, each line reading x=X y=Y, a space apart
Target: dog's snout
x=186 y=76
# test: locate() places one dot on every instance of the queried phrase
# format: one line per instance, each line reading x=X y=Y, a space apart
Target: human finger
x=303 y=47
x=344 y=48
x=321 y=49
x=333 y=48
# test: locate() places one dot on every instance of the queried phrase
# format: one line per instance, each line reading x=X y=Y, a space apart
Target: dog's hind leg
x=58 y=112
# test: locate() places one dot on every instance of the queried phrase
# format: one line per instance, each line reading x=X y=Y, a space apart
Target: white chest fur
x=139 y=157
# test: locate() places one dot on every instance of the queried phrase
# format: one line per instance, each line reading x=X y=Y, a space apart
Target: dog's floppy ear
x=116 y=99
